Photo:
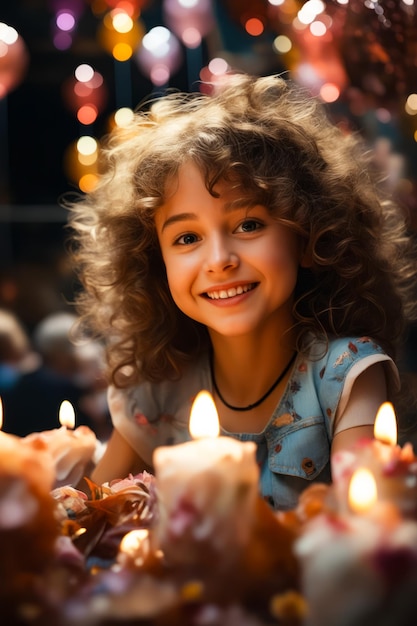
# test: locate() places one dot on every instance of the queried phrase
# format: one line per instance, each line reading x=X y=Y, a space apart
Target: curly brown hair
x=276 y=145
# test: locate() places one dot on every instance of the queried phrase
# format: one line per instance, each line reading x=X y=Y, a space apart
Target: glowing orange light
x=88 y=182
x=254 y=26
x=111 y=39
x=87 y=114
x=122 y=51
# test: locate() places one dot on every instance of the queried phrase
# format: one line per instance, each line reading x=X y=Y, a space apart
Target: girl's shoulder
x=334 y=360
x=340 y=353
x=336 y=364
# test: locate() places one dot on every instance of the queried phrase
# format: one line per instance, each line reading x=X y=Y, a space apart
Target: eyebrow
x=180 y=217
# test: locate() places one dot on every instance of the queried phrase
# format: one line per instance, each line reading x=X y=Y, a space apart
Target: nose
x=220 y=255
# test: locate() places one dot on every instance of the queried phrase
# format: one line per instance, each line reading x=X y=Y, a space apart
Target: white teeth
x=229 y=293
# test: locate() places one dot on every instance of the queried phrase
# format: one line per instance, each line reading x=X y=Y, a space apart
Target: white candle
x=207 y=489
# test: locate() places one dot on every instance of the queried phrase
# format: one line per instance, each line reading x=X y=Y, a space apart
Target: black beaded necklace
x=258 y=402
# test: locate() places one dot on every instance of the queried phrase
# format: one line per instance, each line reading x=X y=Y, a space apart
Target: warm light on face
x=385 y=428
x=204 y=421
x=362 y=491
x=67 y=414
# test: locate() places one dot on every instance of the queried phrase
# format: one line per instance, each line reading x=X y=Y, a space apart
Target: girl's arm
x=118 y=461
x=369 y=391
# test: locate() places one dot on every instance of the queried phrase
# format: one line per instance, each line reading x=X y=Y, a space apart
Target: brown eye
x=249 y=226
x=186 y=240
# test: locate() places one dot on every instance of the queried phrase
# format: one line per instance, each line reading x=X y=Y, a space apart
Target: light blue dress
x=293 y=450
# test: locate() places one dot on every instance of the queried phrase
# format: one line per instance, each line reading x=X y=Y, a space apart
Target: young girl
x=236 y=243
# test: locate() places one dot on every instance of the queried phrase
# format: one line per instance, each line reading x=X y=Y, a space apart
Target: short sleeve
x=345 y=361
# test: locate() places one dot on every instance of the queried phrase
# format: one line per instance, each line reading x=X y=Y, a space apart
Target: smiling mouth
x=223 y=294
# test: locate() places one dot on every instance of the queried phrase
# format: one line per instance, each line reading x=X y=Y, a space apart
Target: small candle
x=207 y=490
x=72 y=449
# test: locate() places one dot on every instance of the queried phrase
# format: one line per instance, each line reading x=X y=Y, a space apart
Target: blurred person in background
x=16 y=353
x=63 y=370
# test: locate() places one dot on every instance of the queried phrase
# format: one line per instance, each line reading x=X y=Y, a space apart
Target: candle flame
x=204 y=421
x=362 y=491
x=133 y=540
x=67 y=414
x=385 y=428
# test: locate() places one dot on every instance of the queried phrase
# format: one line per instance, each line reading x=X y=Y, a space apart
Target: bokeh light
x=329 y=92
x=65 y=21
x=62 y=40
x=188 y=19
x=120 y=35
x=160 y=55
x=254 y=26
x=81 y=162
x=218 y=66
x=282 y=44
x=85 y=94
x=123 y=116
x=87 y=114
x=411 y=104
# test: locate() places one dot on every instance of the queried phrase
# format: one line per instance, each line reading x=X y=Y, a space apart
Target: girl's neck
x=245 y=368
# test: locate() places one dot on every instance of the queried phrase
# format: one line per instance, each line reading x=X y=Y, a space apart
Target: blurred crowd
x=41 y=368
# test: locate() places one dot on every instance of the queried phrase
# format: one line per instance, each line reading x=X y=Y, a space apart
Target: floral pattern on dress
x=141 y=420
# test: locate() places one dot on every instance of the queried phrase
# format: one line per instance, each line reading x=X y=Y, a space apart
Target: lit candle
x=385 y=427
x=385 y=434
x=374 y=454
x=207 y=489
x=67 y=415
x=394 y=469
x=347 y=559
x=362 y=491
x=71 y=448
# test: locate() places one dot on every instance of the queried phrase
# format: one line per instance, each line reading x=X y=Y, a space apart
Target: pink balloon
x=14 y=60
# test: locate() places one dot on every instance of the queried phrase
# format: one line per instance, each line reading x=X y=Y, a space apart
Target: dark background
x=376 y=54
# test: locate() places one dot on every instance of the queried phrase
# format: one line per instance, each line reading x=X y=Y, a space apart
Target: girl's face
x=231 y=268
